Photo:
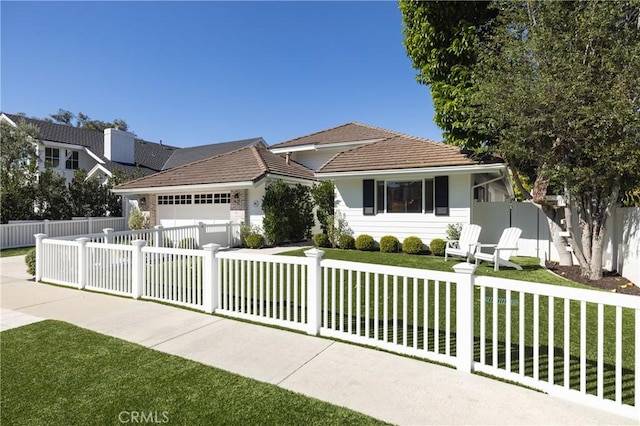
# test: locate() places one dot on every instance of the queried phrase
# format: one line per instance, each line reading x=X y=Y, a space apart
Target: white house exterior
x=388 y=183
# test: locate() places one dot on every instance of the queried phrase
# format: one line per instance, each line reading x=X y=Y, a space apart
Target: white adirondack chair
x=466 y=245
x=507 y=244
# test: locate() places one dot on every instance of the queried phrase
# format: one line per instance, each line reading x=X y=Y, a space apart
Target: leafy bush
x=321 y=240
x=437 y=246
x=137 y=220
x=246 y=230
x=365 y=242
x=412 y=245
x=453 y=231
x=347 y=242
x=337 y=226
x=30 y=260
x=254 y=241
x=188 y=243
x=288 y=212
x=389 y=244
x=323 y=195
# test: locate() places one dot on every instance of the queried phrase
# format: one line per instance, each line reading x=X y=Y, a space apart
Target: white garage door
x=189 y=209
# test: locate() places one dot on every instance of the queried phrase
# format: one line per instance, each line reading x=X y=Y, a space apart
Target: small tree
x=288 y=212
x=323 y=195
x=137 y=220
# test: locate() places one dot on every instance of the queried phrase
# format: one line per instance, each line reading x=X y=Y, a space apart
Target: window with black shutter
x=368 y=197
x=441 y=187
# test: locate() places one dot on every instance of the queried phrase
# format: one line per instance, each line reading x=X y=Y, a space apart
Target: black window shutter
x=368 y=197
x=428 y=196
x=442 y=195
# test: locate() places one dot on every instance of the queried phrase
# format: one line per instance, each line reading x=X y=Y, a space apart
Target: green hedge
x=412 y=245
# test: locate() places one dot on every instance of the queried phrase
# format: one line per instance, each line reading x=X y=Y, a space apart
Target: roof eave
x=450 y=170
x=185 y=188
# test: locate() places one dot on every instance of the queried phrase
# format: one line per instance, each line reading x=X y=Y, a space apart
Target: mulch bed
x=611 y=281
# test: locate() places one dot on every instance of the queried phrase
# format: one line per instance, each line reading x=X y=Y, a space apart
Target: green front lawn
x=417 y=309
x=15 y=251
x=54 y=373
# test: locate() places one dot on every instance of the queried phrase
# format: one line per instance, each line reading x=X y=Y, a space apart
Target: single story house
x=387 y=183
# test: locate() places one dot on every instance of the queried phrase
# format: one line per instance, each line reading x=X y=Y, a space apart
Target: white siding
x=401 y=225
x=256 y=215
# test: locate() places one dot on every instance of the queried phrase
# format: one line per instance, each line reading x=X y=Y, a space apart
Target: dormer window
x=52 y=157
x=72 y=162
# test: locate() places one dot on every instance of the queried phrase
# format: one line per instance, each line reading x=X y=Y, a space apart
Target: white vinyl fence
x=182 y=237
x=621 y=251
x=548 y=337
x=20 y=234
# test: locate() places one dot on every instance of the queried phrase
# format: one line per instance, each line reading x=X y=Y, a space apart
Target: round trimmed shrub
x=389 y=244
x=347 y=242
x=254 y=241
x=188 y=243
x=437 y=246
x=412 y=245
x=365 y=242
x=321 y=240
x=30 y=260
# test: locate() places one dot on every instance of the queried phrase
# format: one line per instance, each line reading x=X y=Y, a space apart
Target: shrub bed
x=412 y=245
x=365 y=242
x=321 y=240
x=437 y=246
x=389 y=244
x=254 y=241
x=347 y=242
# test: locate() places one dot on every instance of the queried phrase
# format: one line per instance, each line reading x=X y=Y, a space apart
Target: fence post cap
x=211 y=247
x=314 y=252
x=138 y=243
x=158 y=227
x=40 y=236
x=83 y=240
x=465 y=268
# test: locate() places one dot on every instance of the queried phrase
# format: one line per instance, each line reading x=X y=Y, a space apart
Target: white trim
x=448 y=170
x=185 y=188
x=52 y=144
x=288 y=178
x=10 y=121
x=94 y=156
x=322 y=146
x=99 y=167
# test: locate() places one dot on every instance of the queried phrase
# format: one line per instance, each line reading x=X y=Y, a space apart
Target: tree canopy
x=83 y=121
x=554 y=90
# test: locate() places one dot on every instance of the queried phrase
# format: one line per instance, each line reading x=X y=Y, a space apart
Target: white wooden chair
x=507 y=244
x=466 y=245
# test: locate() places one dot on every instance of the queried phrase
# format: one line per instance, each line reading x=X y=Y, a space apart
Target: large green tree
x=442 y=39
x=555 y=85
x=18 y=170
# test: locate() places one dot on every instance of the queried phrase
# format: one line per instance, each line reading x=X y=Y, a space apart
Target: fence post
x=46 y=227
x=108 y=239
x=39 y=238
x=314 y=293
x=464 y=316
x=137 y=264
x=210 y=278
x=159 y=236
x=82 y=262
x=201 y=232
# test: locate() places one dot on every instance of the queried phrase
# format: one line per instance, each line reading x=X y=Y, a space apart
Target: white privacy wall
x=402 y=225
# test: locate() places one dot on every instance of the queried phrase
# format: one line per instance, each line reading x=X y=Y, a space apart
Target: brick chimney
x=119 y=146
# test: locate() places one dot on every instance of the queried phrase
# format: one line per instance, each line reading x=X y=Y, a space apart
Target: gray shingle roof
x=150 y=157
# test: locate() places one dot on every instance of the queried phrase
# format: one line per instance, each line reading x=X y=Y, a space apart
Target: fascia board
x=185 y=188
x=449 y=170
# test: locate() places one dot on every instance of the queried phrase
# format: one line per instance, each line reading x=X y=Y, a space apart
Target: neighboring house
x=387 y=183
x=67 y=148
x=224 y=188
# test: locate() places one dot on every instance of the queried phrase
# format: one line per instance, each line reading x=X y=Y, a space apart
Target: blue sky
x=191 y=73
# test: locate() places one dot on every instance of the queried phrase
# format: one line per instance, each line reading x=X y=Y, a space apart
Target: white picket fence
x=548 y=337
x=188 y=236
x=20 y=234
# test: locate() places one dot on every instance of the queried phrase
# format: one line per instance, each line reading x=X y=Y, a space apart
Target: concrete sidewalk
x=389 y=387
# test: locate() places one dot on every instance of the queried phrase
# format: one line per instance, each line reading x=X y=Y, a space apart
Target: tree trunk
x=596 y=255
x=555 y=227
